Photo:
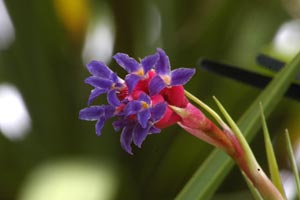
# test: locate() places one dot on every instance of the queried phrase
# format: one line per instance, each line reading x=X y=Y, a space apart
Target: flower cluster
x=140 y=103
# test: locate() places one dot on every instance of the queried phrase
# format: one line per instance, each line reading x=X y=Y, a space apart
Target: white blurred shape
x=14 y=118
x=70 y=179
x=99 y=41
x=154 y=24
x=297 y=154
x=287 y=39
x=288 y=178
x=289 y=184
x=7 y=31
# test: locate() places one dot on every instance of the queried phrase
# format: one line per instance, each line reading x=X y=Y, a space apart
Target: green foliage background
x=45 y=63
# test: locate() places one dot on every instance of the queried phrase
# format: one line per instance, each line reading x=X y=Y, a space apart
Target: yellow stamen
x=167 y=79
x=144 y=105
x=113 y=86
x=140 y=72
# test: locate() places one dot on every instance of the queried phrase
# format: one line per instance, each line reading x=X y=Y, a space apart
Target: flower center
x=140 y=72
x=144 y=105
x=167 y=79
x=113 y=86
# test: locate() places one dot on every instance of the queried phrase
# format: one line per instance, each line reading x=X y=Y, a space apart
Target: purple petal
x=181 y=76
x=128 y=63
x=109 y=111
x=95 y=93
x=133 y=107
x=98 y=68
x=126 y=139
x=139 y=135
x=119 y=124
x=99 y=125
x=143 y=117
x=91 y=113
x=112 y=98
x=98 y=82
x=158 y=111
x=144 y=97
x=114 y=77
x=131 y=81
x=149 y=62
x=163 y=63
x=154 y=130
x=156 y=85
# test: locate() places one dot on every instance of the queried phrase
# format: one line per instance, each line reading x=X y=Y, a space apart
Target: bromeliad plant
x=141 y=102
x=152 y=97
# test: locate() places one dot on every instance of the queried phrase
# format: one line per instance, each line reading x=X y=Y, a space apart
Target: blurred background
x=46 y=152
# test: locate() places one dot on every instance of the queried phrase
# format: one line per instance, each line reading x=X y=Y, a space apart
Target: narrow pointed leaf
x=273 y=167
x=251 y=161
x=292 y=161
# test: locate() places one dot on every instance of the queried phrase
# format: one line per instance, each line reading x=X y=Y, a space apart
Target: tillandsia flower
x=140 y=103
x=152 y=97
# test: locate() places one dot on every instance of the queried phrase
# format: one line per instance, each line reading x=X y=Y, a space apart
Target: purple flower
x=138 y=121
x=105 y=81
x=97 y=113
x=138 y=103
x=166 y=77
x=137 y=71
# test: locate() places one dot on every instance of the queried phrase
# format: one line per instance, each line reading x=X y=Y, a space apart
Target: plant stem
x=247 y=162
x=238 y=148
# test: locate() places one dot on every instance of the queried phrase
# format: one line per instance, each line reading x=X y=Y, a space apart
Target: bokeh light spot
x=14 y=118
x=7 y=31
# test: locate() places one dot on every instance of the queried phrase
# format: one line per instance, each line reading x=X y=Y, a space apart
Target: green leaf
x=210 y=175
x=273 y=167
x=237 y=132
x=251 y=162
x=292 y=161
x=248 y=152
x=252 y=189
